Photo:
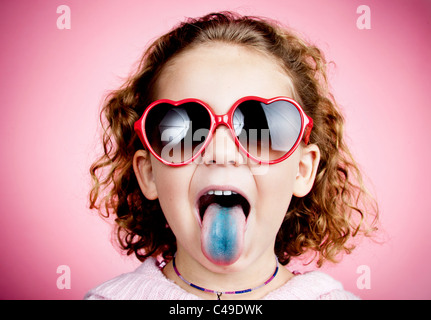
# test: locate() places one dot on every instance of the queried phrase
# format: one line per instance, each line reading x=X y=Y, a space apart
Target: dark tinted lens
x=177 y=133
x=267 y=132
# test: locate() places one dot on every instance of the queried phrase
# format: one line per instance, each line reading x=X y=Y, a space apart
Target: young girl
x=223 y=159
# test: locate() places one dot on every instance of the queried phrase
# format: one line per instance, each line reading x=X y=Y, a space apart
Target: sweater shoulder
x=147 y=282
x=314 y=285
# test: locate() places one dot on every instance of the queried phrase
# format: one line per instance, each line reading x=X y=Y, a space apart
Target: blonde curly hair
x=323 y=221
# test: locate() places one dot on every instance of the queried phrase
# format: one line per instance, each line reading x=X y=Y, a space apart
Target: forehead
x=220 y=74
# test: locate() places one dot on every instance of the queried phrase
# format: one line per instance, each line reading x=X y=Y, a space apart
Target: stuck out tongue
x=222 y=234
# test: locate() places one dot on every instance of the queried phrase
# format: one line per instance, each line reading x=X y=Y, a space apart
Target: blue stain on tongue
x=223 y=240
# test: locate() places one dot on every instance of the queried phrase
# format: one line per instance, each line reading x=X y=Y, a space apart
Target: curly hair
x=323 y=221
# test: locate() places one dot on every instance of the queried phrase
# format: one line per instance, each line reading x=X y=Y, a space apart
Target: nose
x=222 y=149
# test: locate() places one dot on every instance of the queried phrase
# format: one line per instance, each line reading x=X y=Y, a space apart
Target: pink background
x=53 y=82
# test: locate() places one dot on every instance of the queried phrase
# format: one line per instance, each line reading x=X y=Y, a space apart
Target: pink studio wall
x=53 y=82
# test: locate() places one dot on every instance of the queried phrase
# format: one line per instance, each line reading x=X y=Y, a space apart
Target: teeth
x=221 y=192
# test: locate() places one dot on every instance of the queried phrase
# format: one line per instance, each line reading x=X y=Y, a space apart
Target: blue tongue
x=222 y=233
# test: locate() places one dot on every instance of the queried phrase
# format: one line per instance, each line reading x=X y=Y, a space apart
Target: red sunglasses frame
x=227 y=120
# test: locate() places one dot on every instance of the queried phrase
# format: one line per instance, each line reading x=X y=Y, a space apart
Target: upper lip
x=233 y=189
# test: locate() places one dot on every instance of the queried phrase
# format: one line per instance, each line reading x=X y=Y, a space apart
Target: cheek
x=173 y=190
x=275 y=190
x=171 y=183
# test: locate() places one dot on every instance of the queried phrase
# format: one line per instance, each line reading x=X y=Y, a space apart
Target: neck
x=244 y=274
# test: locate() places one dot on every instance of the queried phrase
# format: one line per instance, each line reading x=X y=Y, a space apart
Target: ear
x=144 y=174
x=307 y=169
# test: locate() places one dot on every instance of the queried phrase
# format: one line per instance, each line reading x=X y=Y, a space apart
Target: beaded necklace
x=219 y=293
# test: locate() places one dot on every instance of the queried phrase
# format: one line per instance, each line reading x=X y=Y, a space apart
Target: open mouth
x=225 y=198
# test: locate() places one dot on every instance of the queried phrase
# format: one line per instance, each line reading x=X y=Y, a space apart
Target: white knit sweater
x=148 y=282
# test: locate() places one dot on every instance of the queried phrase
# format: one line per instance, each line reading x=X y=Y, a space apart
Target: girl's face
x=220 y=74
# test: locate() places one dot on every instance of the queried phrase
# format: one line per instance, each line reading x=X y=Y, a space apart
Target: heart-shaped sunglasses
x=266 y=130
